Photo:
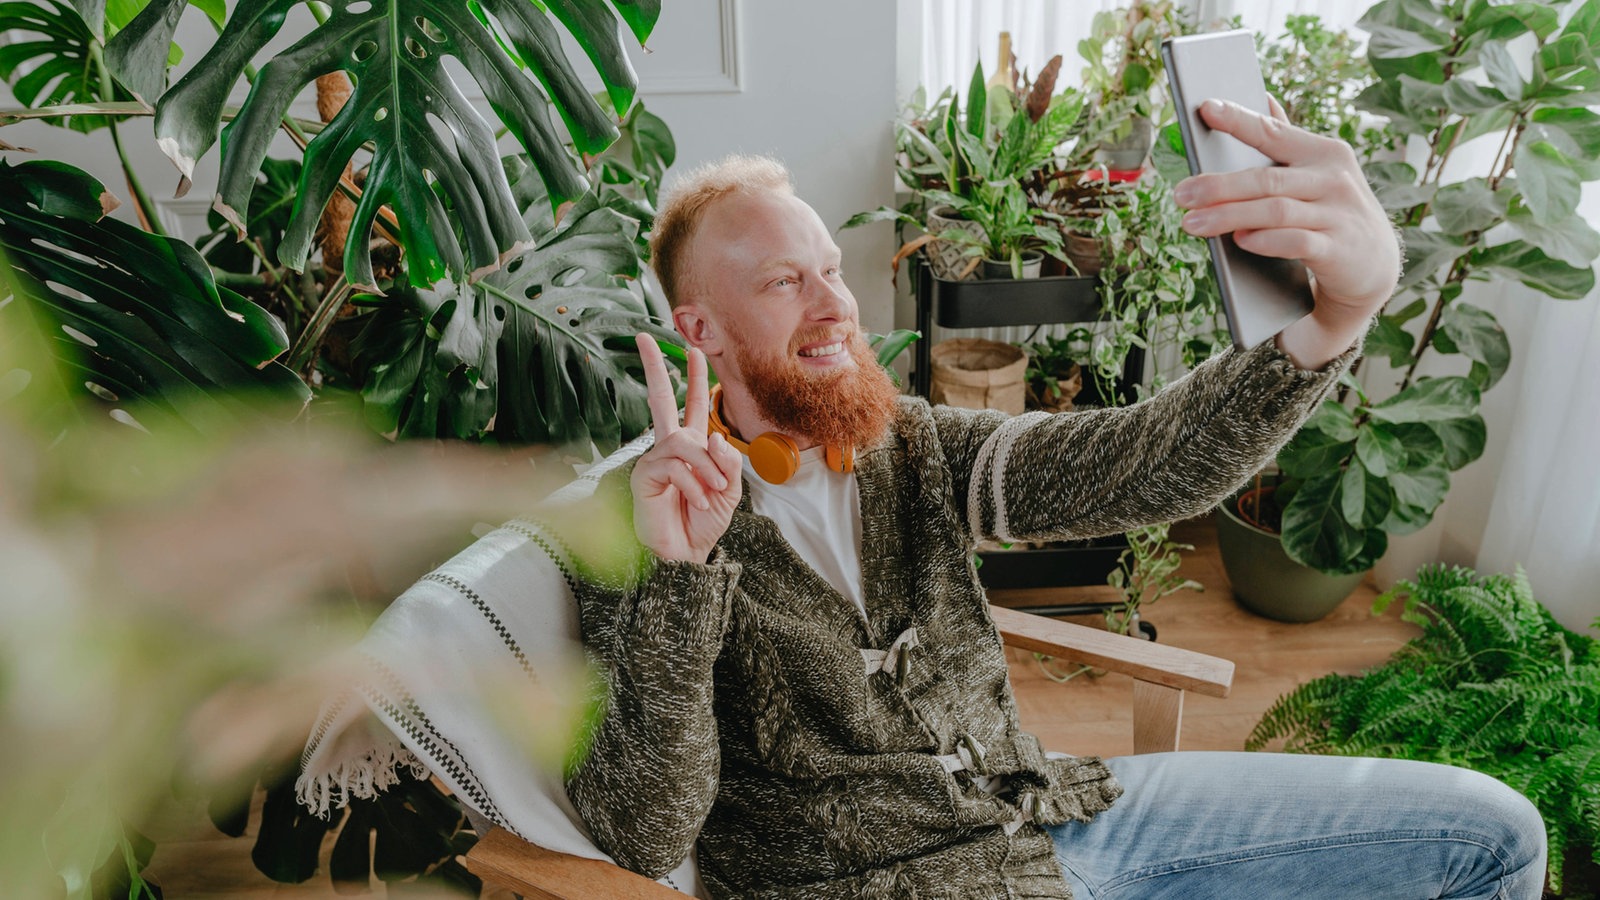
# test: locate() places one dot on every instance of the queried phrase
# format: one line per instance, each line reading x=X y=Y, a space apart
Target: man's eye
x=784 y=282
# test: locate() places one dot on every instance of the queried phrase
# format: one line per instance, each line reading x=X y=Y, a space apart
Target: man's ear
x=698 y=329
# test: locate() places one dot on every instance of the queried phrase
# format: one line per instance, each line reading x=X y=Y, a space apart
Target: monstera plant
x=402 y=189
x=397 y=261
x=1447 y=73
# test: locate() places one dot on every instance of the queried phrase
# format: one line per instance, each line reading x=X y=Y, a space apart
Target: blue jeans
x=1266 y=825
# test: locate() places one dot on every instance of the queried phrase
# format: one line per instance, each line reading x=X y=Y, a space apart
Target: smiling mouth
x=825 y=350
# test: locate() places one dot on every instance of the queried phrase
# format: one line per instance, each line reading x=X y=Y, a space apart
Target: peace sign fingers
x=658 y=387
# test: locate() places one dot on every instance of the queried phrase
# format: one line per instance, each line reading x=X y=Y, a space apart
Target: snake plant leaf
x=58 y=66
x=434 y=160
x=538 y=352
x=134 y=316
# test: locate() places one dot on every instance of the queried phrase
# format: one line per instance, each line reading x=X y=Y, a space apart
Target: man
x=804 y=677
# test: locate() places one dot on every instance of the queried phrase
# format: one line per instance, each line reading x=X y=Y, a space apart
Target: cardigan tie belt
x=896 y=659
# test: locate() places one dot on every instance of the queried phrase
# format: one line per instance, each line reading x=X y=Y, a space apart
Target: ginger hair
x=684 y=204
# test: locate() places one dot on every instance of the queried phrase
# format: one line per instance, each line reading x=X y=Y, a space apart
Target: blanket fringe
x=358 y=778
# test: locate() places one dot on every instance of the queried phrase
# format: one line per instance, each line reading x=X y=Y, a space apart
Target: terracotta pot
x=1265 y=580
x=1084 y=251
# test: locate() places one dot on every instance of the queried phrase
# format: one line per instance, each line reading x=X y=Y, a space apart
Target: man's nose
x=830 y=300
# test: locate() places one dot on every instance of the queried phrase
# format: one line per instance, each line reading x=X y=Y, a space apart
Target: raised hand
x=1315 y=207
x=685 y=487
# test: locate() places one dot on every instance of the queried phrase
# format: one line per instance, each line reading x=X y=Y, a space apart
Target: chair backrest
x=500 y=613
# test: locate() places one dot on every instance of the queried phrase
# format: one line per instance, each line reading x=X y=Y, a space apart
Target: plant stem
x=148 y=218
x=309 y=343
x=1457 y=273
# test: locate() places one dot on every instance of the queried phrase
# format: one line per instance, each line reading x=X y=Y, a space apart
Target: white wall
x=811 y=83
x=818 y=82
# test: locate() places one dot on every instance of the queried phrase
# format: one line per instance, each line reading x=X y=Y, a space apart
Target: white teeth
x=829 y=350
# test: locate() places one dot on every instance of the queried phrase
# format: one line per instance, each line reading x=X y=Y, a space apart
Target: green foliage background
x=1493 y=683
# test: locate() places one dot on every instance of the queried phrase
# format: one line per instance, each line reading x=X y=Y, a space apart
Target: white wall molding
x=727 y=80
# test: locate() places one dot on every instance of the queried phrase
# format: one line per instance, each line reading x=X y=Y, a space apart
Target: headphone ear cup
x=775 y=457
x=840 y=459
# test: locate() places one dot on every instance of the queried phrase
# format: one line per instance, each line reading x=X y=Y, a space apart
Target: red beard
x=850 y=407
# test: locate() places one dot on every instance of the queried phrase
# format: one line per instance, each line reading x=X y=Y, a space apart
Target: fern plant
x=1493 y=683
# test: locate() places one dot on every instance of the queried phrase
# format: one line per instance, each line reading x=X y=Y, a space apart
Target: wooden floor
x=1086 y=716
x=1093 y=716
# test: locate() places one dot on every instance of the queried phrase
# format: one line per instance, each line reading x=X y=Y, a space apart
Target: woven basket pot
x=977 y=373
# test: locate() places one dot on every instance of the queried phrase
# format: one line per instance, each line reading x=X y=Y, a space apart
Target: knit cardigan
x=741 y=709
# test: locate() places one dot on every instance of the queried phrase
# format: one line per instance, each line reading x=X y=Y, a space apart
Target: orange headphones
x=774 y=456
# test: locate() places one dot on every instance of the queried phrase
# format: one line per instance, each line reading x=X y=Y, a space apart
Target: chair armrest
x=505 y=860
x=1147 y=661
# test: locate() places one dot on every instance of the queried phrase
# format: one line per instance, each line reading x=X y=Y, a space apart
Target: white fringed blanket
x=499 y=613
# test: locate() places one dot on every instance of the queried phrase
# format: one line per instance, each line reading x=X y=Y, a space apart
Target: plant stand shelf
x=1004 y=303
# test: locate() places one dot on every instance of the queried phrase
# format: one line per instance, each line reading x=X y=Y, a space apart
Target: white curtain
x=1544 y=510
x=957 y=33
x=1534 y=498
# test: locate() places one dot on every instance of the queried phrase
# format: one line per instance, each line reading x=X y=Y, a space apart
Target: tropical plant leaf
x=270 y=206
x=139 y=52
x=1550 y=183
x=1572 y=240
x=1315 y=530
x=1427 y=252
x=1528 y=264
x=136 y=317
x=1389 y=339
x=434 y=159
x=1474 y=332
x=1469 y=205
x=1462 y=440
x=540 y=352
x=1430 y=400
x=57 y=66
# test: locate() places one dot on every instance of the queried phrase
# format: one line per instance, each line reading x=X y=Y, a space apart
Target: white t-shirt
x=819 y=512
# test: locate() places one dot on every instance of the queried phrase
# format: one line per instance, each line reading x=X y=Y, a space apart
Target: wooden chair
x=1161 y=676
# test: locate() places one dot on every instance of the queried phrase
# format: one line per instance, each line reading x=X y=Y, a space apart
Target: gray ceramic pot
x=1266 y=581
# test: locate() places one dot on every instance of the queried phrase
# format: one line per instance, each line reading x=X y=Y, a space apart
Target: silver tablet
x=1261 y=295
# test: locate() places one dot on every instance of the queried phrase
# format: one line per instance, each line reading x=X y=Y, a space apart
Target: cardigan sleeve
x=650 y=771
x=1088 y=473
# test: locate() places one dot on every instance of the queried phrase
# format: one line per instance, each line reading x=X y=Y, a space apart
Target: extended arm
x=1083 y=474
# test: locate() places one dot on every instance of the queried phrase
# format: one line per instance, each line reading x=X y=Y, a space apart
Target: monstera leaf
x=434 y=161
x=539 y=352
x=134 y=317
x=58 y=61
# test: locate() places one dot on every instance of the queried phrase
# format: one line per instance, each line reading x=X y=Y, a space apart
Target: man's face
x=769 y=306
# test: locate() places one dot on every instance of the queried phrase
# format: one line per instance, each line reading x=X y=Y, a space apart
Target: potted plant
x=1493 y=683
x=1055 y=369
x=1364 y=469
x=1126 y=100
x=965 y=164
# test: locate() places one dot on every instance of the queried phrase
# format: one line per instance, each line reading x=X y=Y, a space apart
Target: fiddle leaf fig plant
x=1449 y=73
